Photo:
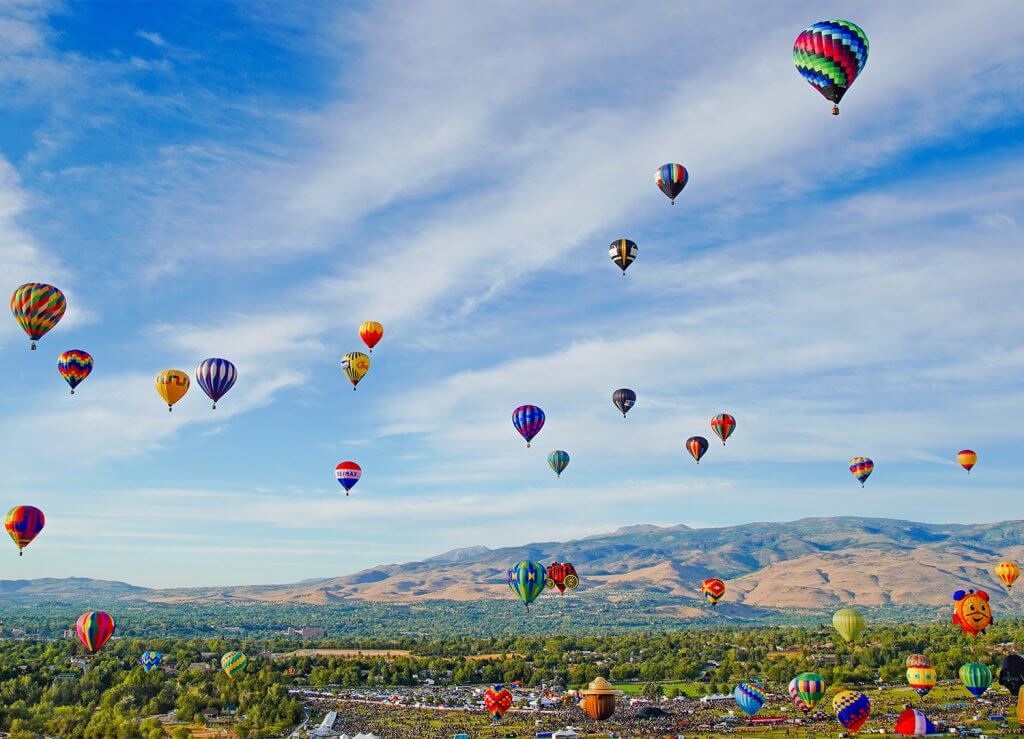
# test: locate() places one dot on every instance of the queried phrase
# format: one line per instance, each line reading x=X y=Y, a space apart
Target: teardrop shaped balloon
x=171 y=385
x=74 y=365
x=967 y=459
x=233 y=663
x=849 y=623
x=497 y=701
x=624 y=399
x=354 y=366
x=697 y=446
x=623 y=252
x=528 y=420
x=150 y=660
x=921 y=678
x=348 y=474
x=723 y=425
x=94 y=629
x=216 y=376
x=861 y=468
x=852 y=709
x=1007 y=572
x=671 y=179
x=749 y=697
x=976 y=677
x=23 y=523
x=558 y=460
x=371 y=333
x=807 y=689
x=37 y=307
x=527 y=580
x=830 y=56
x=713 y=590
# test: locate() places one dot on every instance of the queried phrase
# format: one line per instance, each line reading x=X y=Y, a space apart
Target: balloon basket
x=835 y=110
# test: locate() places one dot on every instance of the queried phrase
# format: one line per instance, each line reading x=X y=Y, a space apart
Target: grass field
x=694 y=690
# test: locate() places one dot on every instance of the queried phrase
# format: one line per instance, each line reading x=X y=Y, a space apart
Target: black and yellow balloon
x=354 y=366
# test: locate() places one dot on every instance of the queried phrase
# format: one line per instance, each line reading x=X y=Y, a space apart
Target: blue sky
x=253 y=181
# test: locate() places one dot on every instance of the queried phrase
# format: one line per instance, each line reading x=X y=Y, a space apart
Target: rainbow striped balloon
x=671 y=179
x=74 y=366
x=23 y=523
x=94 y=628
x=861 y=468
x=528 y=420
x=37 y=307
x=749 y=697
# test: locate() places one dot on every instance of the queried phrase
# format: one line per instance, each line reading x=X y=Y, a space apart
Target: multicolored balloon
x=971 y=611
x=852 y=709
x=807 y=689
x=354 y=366
x=37 y=307
x=849 y=623
x=723 y=424
x=371 y=333
x=74 y=365
x=624 y=399
x=1008 y=572
x=623 y=252
x=150 y=660
x=233 y=663
x=976 y=677
x=749 y=697
x=528 y=420
x=23 y=523
x=348 y=474
x=497 y=701
x=921 y=678
x=830 y=55
x=861 y=468
x=94 y=629
x=914 y=723
x=967 y=459
x=216 y=376
x=558 y=460
x=527 y=580
x=671 y=179
x=171 y=385
x=917 y=660
x=697 y=446
x=713 y=590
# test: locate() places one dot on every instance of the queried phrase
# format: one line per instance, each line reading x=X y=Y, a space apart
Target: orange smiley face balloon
x=972 y=611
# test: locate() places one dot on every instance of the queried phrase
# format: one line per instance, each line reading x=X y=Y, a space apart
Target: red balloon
x=94 y=629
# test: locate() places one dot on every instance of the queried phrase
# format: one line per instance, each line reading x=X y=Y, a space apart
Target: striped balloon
x=976 y=677
x=150 y=660
x=830 y=55
x=528 y=420
x=216 y=376
x=849 y=623
x=749 y=697
x=967 y=459
x=94 y=628
x=37 y=307
x=1008 y=572
x=671 y=179
x=232 y=663
x=697 y=446
x=371 y=333
x=527 y=580
x=23 y=523
x=623 y=252
x=921 y=678
x=348 y=474
x=807 y=689
x=861 y=468
x=74 y=366
x=558 y=460
x=723 y=425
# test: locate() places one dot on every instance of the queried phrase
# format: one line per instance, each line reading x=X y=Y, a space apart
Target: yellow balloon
x=172 y=386
x=354 y=365
x=849 y=623
x=1007 y=572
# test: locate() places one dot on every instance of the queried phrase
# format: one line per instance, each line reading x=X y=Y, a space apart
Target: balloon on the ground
x=23 y=523
x=749 y=697
x=976 y=677
x=624 y=399
x=849 y=623
x=713 y=590
x=37 y=307
x=497 y=701
x=671 y=179
x=1008 y=572
x=972 y=611
x=74 y=365
x=697 y=446
x=917 y=660
x=348 y=474
x=623 y=252
x=527 y=580
x=558 y=460
x=914 y=723
x=861 y=468
x=723 y=425
x=371 y=333
x=967 y=459
x=807 y=689
x=921 y=678
x=1011 y=673
x=94 y=629
x=216 y=376
x=599 y=699
x=171 y=385
x=528 y=421
x=150 y=660
x=354 y=366
x=852 y=709
x=233 y=663
x=830 y=55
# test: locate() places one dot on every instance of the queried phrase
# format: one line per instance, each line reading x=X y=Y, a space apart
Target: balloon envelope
x=723 y=425
x=527 y=580
x=624 y=399
x=623 y=252
x=371 y=333
x=861 y=468
x=713 y=590
x=696 y=446
x=216 y=376
x=671 y=179
x=849 y=623
x=749 y=697
x=37 y=307
x=921 y=678
x=976 y=677
x=830 y=55
x=354 y=366
x=94 y=629
x=23 y=523
x=497 y=700
x=852 y=709
x=807 y=689
x=1007 y=572
x=171 y=385
x=150 y=660
x=528 y=421
x=914 y=723
x=74 y=365
x=348 y=474
x=967 y=459
x=558 y=460
x=233 y=663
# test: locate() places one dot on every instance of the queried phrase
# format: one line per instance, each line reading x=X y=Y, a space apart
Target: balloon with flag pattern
x=723 y=425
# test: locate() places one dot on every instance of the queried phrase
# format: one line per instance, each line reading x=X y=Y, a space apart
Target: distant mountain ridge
x=811 y=564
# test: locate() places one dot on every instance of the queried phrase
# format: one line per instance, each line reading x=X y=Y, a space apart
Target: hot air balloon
x=623 y=252
x=807 y=689
x=830 y=55
x=528 y=420
x=921 y=678
x=697 y=446
x=348 y=474
x=861 y=468
x=852 y=709
x=527 y=580
x=172 y=385
x=354 y=366
x=914 y=723
x=849 y=623
x=371 y=333
x=967 y=459
x=1008 y=572
x=233 y=663
x=749 y=697
x=23 y=523
x=94 y=628
x=1011 y=673
x=216 y=376
x=918 y=660
x=713 y=590
x=558 y=460
x=599 y=699
x=671 y=179
x=624 y=399
x=497 y=700
x=976 y=677
x=74 y=366
x=723 y=424
x=971 y=611
x=150 y=660
x=562 y=575
x=37 y=307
